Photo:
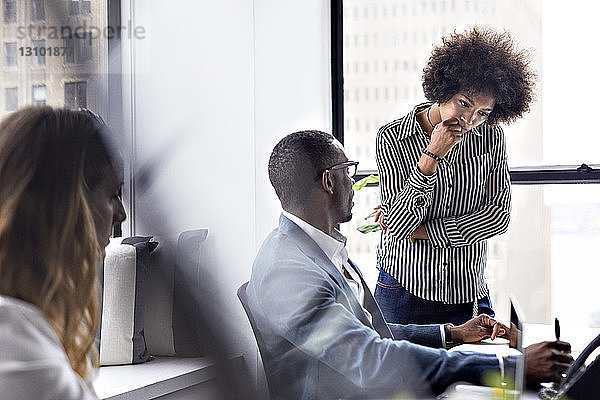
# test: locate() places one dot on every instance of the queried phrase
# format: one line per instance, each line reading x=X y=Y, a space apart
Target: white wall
x=215 y=85
x=292 y=85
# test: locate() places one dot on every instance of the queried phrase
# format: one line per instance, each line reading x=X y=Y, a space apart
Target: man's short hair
x=295 y=162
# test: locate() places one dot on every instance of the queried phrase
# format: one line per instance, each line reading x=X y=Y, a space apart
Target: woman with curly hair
x=59 y=201
x=444 y=180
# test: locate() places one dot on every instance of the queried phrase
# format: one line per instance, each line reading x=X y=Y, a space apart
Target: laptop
x=517 y=325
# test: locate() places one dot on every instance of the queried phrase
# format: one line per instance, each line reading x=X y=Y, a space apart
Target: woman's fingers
x=445 y=135
x=495 y=330
x=378 y=216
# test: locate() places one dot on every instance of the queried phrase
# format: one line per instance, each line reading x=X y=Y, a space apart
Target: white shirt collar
x=333 y=246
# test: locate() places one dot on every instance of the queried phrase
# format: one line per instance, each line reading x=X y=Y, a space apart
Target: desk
x=171 y=377
x=579 y=337
x=532 y=333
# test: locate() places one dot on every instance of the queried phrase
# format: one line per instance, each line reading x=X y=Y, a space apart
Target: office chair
x=264 y=355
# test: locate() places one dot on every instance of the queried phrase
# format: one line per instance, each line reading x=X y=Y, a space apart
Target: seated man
x=324 y=334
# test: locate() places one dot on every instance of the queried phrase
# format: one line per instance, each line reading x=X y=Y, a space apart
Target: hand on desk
x=547 y=361
x=478 y=328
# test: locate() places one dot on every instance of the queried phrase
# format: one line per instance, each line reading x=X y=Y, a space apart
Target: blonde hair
x=48 y=244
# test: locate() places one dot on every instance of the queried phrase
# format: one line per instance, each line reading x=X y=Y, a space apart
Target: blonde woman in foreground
x=58 y=205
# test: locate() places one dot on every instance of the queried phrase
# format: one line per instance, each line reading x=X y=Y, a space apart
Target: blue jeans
x=400 y=306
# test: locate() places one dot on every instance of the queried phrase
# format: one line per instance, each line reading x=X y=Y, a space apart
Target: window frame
x=587 y=172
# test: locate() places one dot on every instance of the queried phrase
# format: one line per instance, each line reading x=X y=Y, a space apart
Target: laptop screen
x=517 y=319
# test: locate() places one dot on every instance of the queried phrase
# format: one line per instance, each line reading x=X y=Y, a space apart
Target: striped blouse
x=466 y=201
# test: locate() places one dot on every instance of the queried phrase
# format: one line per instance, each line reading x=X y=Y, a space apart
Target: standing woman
x=58 y=204
x=444 y=180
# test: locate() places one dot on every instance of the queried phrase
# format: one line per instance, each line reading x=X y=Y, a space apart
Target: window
x=38 y=13
x=10 y=11
x=39 y=53
x=76 y=95
x=70 y=49
x=85 y=47
x=565 y=222
x=44 y=70
x=78 y=48
x=80 y=7
x=531 y=264
x=11 y=99
x=38 y=95
x=10 y=54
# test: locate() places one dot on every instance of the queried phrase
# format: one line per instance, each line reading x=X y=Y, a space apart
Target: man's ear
x=326 y=182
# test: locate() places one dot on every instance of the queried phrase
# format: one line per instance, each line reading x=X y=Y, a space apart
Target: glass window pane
x=38 y=13
x=83 y=64
x=70 y=95
x=86 y=6
x=76 y=95
x=548 y=256
x=11 y=99
x=69 y=50
x=73 y=7
x=85 y=46
x=39 y=53
x=362 y=247
x=82 y=94
x=10 y=54
x=403 y=41
x=39 y=95
x=10 y=11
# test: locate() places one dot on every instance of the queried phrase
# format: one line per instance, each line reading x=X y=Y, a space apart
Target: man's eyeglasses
x=351 y=169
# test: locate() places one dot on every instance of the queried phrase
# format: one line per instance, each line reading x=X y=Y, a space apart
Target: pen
x=556 y=328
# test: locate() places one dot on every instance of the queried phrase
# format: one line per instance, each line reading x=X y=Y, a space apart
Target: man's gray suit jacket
x=321 y=344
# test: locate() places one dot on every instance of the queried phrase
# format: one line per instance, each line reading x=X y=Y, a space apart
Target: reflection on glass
x=54 y=54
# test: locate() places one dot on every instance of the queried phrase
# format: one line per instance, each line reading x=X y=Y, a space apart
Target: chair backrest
x=264 y=355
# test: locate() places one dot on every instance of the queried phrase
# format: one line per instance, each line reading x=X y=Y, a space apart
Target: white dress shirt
x=334 y=248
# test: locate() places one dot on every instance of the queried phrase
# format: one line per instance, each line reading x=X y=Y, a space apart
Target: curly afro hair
x=481 y=61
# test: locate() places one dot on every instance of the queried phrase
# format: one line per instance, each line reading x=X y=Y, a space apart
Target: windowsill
x=152 y=379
